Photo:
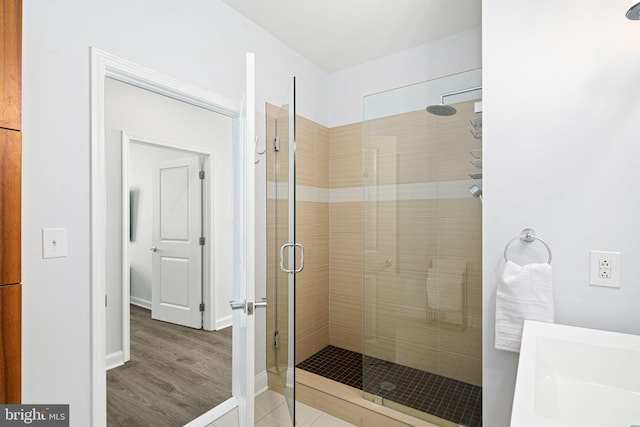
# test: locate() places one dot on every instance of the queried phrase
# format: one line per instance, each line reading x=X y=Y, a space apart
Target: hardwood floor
x=175 y=374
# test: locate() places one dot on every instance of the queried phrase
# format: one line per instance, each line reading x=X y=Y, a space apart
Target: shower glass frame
x=285 y=235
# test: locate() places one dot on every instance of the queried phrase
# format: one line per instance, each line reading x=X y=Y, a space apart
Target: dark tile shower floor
x=443 y=397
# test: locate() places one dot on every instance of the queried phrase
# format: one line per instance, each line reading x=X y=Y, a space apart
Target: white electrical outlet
x=604 y=269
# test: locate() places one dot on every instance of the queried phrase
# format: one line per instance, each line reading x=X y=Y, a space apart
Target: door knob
x=153 y=249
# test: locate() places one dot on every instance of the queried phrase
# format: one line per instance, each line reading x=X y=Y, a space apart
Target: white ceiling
x=337 y=34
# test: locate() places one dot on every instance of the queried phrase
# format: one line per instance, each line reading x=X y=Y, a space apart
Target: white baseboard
x=223 y=322
x=140 y=302
x=261 y=383
x=114 y=360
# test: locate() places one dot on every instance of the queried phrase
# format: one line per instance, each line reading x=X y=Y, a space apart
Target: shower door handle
x=292 y=245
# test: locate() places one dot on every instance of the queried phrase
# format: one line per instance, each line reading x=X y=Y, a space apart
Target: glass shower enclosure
x=422 y=246
x=390 y=211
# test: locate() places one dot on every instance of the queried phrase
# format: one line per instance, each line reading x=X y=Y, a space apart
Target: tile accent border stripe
x=418 y=191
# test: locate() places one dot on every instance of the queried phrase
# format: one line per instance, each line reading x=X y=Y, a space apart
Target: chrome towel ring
x=527 y=235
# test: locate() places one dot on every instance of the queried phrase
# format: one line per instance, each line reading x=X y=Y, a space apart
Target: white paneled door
x=176 y=251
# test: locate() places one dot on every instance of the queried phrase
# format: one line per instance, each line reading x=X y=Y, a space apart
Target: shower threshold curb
x=312 y=390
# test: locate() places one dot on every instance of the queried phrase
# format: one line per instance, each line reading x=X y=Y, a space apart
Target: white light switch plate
x=54 y=242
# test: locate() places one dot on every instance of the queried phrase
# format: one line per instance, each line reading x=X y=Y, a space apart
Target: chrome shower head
x=634 y=12
x=476 y=191
x=441 y=110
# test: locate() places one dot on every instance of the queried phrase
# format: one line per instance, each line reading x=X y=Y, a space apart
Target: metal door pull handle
x=238 y=305
x=248 y=307
x=292 y=245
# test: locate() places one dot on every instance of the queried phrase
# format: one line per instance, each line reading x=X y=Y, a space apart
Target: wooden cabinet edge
x=11 y=344
x=10 y=202
x=10 y=206
x=11 y=58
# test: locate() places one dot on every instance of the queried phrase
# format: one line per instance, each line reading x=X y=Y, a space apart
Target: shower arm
x=458 y=92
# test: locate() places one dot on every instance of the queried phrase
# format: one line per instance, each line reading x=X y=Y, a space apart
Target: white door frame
x=105 y=65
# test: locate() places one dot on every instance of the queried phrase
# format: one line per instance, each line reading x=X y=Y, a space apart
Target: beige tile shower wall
x=346 y=280
x=312 y=154
x=398 y=324
x=345 y=156
x=312 y=230
x=312 y=284
x=428 y=148
x=345 y=239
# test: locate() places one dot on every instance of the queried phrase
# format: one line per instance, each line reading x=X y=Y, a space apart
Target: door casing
x=105 y=65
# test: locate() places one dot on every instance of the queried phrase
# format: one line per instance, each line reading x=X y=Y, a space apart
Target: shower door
x=289 y=253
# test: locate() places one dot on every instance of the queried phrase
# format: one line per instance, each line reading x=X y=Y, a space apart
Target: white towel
x=444 y=290
x=524 y=293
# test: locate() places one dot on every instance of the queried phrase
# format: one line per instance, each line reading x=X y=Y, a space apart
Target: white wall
x=418 y=96
x=561 y=145
x=450 y=55
x=202 y=42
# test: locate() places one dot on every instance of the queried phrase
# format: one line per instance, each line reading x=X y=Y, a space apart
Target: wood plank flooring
x=175 y=374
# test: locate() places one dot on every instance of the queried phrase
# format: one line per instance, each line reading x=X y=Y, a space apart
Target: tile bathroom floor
x=271 y=411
